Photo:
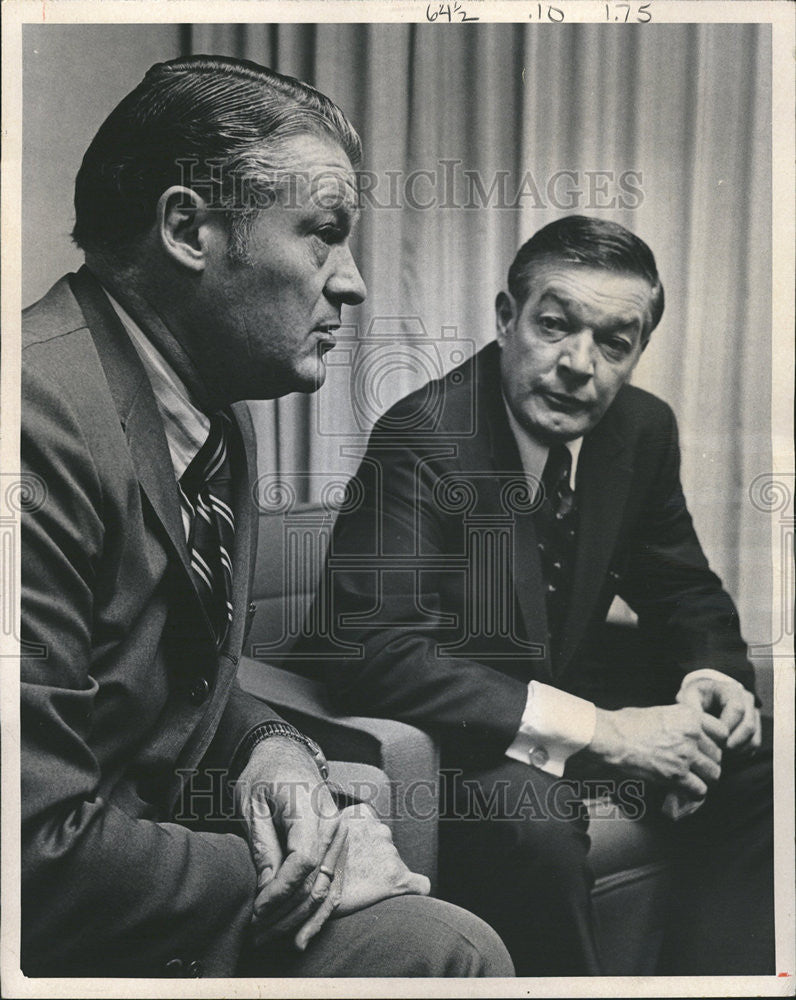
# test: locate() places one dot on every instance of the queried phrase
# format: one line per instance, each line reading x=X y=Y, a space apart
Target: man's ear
x=184 y=227
x=505 y=310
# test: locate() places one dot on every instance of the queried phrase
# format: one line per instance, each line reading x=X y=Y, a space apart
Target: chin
x=553 y=432
x=306 y=381
x=569 y=432
x=274 y=385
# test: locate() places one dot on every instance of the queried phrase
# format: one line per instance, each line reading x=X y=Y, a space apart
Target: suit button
x=199 y=691
x=174 y=967
x=195 y=969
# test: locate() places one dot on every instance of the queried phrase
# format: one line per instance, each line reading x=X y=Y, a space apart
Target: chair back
x=290 y=556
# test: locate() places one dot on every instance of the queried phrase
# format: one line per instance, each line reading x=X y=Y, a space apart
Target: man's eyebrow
x=563 y=300
x=570 y=305
x=345 y=215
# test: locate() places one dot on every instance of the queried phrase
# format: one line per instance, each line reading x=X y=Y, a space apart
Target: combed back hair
x=578 y=239
x=206 y=122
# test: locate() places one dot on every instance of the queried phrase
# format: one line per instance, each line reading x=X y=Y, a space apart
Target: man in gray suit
x=214 y=207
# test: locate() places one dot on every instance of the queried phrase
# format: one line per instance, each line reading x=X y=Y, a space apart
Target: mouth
x=565 y=403
x=326 y=338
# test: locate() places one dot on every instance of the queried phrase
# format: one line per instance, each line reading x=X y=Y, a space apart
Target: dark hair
x=217 y=118
x=578 y=239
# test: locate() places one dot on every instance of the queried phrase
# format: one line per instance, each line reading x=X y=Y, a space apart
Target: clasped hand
x=681 y=746
x=676 y=746
x=313 y=861
x=731 y=703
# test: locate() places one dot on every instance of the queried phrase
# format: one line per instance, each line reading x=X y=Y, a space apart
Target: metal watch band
x=277 y=728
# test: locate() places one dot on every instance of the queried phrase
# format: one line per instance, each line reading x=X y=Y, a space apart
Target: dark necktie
x=206 y=495
x=556 y=524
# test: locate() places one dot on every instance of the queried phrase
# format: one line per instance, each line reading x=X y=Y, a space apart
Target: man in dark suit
x=214 y=207
x=494 y=518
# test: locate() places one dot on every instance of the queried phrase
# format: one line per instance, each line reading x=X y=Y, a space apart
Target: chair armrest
x=408 y=756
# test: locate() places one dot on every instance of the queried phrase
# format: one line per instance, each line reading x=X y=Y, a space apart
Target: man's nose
x=345 y=283
x=577 y=357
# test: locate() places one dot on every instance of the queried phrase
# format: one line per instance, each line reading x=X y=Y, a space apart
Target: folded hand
x=675 y=746
x=730 y=702
x=374 y=869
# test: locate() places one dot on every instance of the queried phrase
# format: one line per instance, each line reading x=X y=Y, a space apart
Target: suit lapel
x=603 y=482
x=136 y=406
x=143 y=427
x=496 y=451
x=245 y=546
x=149 y=452
x=146 y=438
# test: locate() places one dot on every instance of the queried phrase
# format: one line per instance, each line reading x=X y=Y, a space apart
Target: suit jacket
x=433 y=574
x=123 y=692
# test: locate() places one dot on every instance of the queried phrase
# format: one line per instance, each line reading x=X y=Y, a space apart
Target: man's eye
x=329 y=234
x=555 y=324
x=617 y=347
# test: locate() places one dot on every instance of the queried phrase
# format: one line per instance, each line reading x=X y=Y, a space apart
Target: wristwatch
x=277 y=728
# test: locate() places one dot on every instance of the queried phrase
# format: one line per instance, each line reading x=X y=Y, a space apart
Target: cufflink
x=538 y=756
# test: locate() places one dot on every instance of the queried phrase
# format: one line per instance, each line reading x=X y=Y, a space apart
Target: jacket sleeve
x=103 y=892
x=387 y=618
x=243 y=712
x=680 y=601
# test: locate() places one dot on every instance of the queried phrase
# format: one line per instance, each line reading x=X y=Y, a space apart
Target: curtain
x=477 y=135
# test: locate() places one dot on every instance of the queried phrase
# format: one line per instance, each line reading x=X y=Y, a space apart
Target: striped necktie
x=206 y=496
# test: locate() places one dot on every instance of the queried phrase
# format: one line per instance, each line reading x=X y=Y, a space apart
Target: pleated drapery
x=475 y=136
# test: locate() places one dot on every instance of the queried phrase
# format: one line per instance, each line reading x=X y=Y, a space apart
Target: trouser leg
x=513 y=849
x=722 y=920
x=407 y=936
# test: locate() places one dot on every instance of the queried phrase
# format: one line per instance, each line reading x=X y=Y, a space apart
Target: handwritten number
x=464 y=16
x=553 y=13
x=643 y=14
x=448 y=11
x=444 y=10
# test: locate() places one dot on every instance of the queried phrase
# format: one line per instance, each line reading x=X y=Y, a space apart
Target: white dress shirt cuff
x=554 y=726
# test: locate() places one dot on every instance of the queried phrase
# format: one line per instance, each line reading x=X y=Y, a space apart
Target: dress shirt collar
x=185 y=425
x=533 y=453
